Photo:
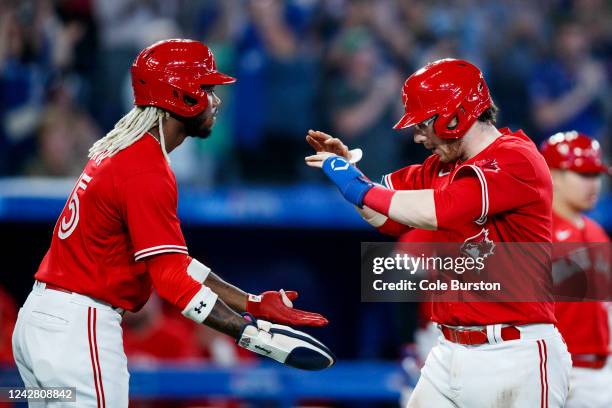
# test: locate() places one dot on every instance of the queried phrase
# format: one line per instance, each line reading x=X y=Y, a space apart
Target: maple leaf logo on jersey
x=488 y=165
x=479 y=245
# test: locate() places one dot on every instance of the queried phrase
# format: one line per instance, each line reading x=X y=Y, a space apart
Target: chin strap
x=162 y=140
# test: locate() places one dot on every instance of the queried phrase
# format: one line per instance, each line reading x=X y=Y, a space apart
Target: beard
x=451 y=152
x=201 y=134
x=197 y=127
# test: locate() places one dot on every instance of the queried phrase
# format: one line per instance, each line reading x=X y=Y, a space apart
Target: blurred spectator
x=36 y=48
x=363 y=100
x=512 y=59
x=64 y=136
x=126 y=27
x=134 y=23
x=275 y=93
x=219 y=22
x=568 y=90
x=395 y=36
x=24 y=70
x=595 y=17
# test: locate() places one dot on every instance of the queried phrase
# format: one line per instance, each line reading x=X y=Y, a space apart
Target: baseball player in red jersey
x=576 y=166
x=483 y=185
x=119 y=235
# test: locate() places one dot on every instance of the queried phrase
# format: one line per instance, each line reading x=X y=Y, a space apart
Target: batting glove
x=285 y=345
x=349 y=179
x=278 y=307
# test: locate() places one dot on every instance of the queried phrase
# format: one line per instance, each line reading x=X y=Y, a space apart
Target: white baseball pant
x=532 y=371
x=70 y=340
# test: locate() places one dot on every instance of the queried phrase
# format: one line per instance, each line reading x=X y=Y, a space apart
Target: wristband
x=200 y=306
x=197 y=270
x=350 y=181
x=379 y=199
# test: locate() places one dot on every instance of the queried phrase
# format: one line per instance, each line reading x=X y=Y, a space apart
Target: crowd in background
x=334 y=65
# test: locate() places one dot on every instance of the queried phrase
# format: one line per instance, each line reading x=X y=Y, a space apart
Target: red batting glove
x=277 y=307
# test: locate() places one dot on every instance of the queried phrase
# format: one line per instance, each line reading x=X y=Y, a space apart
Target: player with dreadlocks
x=128 y=130
x=119 y=236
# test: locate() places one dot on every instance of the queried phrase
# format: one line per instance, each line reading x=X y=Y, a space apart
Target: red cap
x=170 y=74
x=573 y=151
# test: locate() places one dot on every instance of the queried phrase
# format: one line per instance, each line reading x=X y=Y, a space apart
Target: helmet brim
x=411 y=119
x=587 y=169
x=217 y=78
x=603 y=169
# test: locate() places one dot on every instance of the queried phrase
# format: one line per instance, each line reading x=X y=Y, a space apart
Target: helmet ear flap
x=450 y=125
x=454 y=121
x=194 y=103
x=189 y=101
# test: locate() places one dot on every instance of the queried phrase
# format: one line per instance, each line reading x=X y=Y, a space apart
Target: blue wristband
x=350 y=181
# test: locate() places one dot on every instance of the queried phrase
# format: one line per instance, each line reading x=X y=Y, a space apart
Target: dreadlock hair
x=128 y=130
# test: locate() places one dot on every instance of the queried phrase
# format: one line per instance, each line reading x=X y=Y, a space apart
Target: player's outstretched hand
x=285 y=345
x=278 y=307
x=321 y=142
x=316 y=160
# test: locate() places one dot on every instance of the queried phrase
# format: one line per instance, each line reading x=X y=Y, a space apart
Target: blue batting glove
x=350 y=181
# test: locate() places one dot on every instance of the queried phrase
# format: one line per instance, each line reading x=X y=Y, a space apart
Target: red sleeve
x=150 y=203
x=407 y=178
x=504 y=187
x=459 y=203
x=170 y=278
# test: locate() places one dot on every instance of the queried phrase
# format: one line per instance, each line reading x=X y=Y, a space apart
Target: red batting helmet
x=448 y=89
x=573 y=151
x=171 y=75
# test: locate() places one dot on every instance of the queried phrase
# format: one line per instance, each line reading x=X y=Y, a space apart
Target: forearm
x=233 y=296
x=225 y=320
x=372 y=217
x=382 y=223
x=415 y=208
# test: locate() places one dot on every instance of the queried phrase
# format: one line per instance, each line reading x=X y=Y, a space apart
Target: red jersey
x=515 y=200
x=584 y=325
x=121 y=211
x=416 y=235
